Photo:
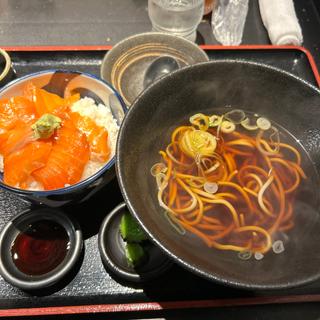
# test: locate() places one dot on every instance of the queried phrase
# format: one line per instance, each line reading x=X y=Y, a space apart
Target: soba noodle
x=229 y=180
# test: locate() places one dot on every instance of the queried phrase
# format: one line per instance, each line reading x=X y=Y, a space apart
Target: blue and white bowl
x=63 y=82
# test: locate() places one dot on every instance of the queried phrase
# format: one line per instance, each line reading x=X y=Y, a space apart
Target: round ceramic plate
x=124 y=66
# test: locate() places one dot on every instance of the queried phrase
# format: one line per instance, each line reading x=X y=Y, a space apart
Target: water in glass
x=180 y=17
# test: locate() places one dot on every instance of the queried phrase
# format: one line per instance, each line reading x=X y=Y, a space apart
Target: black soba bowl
x=64 y=83
x=290 y=102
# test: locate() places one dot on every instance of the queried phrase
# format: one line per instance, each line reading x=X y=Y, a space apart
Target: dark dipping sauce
x=40 y=248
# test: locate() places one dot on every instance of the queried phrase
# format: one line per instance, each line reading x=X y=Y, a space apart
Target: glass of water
x=179 y=17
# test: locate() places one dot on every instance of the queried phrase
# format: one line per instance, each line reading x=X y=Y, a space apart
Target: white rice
x=103 y=117
x=91 y=168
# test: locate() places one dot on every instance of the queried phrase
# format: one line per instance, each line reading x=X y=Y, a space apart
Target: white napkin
x=279 y=18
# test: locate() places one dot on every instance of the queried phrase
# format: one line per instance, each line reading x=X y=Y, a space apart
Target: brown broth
x=286 y=179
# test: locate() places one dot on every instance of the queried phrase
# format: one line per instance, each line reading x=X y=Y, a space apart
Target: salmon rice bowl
x=48 y=142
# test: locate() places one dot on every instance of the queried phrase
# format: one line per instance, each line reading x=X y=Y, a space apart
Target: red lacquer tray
x=91 y=289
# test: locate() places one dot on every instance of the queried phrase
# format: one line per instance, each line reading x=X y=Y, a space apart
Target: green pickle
x=132 y=233
x=130 y=229
x=135 y=254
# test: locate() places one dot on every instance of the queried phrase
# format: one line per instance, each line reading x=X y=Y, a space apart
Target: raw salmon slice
x=15 y=111
x=68 y=157
x=96 y=135
x=15 y=139
x=19 y=165
x=46 y=102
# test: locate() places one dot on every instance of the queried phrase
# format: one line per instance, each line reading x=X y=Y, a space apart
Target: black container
x=10 y=233
x=112 y=252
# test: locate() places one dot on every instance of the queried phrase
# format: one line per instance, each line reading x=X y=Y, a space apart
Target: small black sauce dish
x=39 y=248
x=112 y=251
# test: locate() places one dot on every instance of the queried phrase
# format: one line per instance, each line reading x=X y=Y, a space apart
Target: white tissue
x=279 y=18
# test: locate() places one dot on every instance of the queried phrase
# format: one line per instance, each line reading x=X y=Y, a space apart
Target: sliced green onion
x=245 y=255
x=198 y=143
x=235 y=116
x=214 y=120
x=227 y=126
x=246 y=124
x=258 y=256
x=210 y=187
x=263 y=123
x=278 y=246
x=200 y=121
x=158 y=168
